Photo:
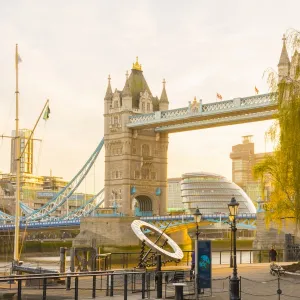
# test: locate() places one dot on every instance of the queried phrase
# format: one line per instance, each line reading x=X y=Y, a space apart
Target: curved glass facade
x=212 y=193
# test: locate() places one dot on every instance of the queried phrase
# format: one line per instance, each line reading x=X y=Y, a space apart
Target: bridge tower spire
x=284 y=62
x=108 y=96
x=164 y=102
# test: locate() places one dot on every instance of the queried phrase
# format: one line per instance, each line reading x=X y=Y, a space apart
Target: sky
x=68 y=48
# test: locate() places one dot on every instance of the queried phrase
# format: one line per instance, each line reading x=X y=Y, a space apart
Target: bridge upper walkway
x=198 y=115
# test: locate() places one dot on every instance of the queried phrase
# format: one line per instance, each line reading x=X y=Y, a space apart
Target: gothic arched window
x=145 y=150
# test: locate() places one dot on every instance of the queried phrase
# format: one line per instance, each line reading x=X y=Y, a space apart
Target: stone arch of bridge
x=142 y=205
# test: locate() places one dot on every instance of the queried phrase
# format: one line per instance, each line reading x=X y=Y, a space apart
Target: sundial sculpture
x=137 y=227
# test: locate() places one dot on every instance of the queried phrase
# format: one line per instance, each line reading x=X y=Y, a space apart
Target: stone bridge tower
x=135 y=160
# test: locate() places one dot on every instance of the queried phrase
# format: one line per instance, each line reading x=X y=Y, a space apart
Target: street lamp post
x=233 y=207
x=231 y=256
x=197 y=217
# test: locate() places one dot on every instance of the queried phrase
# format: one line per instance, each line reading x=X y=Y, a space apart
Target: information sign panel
x=203 y=265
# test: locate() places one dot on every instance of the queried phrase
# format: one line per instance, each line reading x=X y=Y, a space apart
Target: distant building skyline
x=26 y=161
x=244 y=159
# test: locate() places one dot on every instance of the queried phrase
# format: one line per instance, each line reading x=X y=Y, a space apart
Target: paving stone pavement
x=257 y=283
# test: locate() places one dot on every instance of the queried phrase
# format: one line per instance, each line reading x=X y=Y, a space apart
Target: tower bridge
x=136 y=129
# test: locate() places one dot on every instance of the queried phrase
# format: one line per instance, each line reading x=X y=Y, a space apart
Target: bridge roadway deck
x=157 y=220
x=257 y=283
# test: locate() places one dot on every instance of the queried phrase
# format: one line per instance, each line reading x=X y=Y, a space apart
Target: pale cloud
x=69 y=48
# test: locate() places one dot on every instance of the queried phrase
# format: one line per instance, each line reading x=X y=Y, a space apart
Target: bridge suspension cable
x=60 y=198
x=87 y=208
x=26 y=209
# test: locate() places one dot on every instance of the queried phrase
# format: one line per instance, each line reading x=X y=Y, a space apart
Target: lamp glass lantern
x=197 y=215
x=233 y=207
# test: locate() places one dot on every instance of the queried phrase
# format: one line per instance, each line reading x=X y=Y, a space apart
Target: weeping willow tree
x=282 y=168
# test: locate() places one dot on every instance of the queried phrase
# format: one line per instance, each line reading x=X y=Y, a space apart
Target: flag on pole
x=46 y=113
x=219 y=96
x=18 y=58
x=256 y=90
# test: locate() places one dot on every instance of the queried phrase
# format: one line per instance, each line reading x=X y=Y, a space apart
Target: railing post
x=107 y=285
x=111 y=285
x=68 y=283
x=143 y=285
x=220 y=257
x=148 y=285
x=44 y=288
x=94 y=287
x=76 y=288
x=19 y=289
x=250 y=257
x=241 y=255
x=159 y=277
x=125 y=286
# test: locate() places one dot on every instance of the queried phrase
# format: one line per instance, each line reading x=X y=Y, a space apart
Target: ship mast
x=18 y=161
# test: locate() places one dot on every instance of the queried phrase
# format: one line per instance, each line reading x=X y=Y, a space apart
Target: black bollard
x=179 y=290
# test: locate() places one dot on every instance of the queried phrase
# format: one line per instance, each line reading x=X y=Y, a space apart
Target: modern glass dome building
x=212 y=193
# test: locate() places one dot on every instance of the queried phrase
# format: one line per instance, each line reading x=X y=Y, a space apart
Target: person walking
x=272 y=254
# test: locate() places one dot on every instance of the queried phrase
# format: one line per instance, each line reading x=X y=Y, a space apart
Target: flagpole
x=17 y=159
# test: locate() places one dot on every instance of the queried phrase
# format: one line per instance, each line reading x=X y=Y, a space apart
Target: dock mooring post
x=62 y=254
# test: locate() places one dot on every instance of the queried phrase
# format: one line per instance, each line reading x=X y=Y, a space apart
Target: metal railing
x=126 y=260
x=144 y=284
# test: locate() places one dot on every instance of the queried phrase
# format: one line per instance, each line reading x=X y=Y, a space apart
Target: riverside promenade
x=256 y=283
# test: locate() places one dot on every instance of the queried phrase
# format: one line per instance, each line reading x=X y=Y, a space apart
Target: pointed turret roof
x=109 y=92
x=284 y=57
x=126 y=91
x=164 y=97
x=137 y=84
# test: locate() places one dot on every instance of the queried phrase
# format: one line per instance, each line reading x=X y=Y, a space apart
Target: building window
x=143 y=107
x=153 y=175
x=148 y=106
x=145 y=173
x=145 y=150
x=137 y=174
x=116 y=104
x=116 y=119
x=133 y=150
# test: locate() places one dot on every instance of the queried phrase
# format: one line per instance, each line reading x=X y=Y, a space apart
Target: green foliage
x=283 y=168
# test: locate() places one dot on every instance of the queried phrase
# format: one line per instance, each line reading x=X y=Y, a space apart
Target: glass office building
x=212 y=193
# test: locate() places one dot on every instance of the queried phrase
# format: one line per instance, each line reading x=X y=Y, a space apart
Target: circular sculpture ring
x=137 y=225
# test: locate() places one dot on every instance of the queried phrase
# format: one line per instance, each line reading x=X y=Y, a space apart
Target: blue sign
x=50 y=195
x=204 y=264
